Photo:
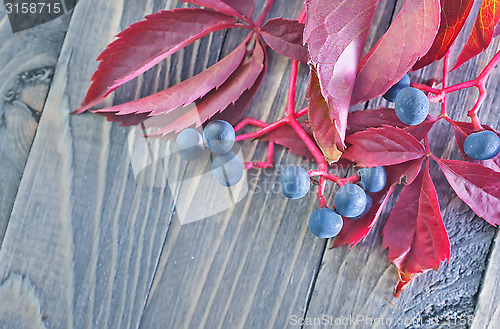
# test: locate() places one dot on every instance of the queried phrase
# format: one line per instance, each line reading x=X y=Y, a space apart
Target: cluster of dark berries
x=351 y=200
x=219 y=138
x=412 y=107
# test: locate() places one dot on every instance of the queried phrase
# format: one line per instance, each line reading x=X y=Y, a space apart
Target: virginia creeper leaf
x=415 y=233
x=237 y=8
x=287 y=137
x=482 y=31
x=476 y=185
x=185 y=92
x=285 y=37
x=219 y=99
x=336 y=32
x=353 y=231
x=382 y=147
x=408 y=38
x=361 y=120
x=234 y=111
x=325 y=132
x=146 y=43
x=126 y=120
x=464 y=129
x=454 y=13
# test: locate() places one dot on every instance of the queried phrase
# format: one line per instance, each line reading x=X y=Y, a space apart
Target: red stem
x=292 y=89
x=263 y=131
x=267 y=164
x=250 y=121
x=479 y=83
x=262 y=16
x=446 y=61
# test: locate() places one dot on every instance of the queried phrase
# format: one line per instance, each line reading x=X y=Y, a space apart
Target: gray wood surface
x=84 y=236
x=488 y=306
x=27 y=63
x=98 y=236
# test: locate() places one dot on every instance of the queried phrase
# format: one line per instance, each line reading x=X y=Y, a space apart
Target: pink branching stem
x=301 y=112
x=426 y=88
x=426 y=143
x=268 y=127
x=334 y=178
x=263 y=131
x=267 y=164
x=250 y=121
x=262 y=16
x=292 y=89
x=446 y=61
x=302 y=15
x=479 y=83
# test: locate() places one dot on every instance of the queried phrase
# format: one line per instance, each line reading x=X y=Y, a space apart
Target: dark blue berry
x=391 y=94
x=325 y=223
x=295 y=182
x=369 y=204
x=350 y=200
x=227 y=169
x=482 y=145
x=189 y=144
x=219 y=136
x=412 y=106
x=373 y=179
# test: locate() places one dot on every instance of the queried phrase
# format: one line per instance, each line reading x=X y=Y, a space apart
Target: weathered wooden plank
x=358 y=283
x=253 y=264
x=27 y=62
x=86 y=232
x=487 y=314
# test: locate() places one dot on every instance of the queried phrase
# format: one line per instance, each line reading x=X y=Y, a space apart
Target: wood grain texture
x=359 y=282
x=84 y=231
x=95 y=238
x=27 y=62
x=252 y=265
x=487 y=314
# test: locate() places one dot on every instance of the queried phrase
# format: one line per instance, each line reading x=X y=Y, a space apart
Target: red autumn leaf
x=409 y=38
x=234 y=111
x=126 y=120
x=325 y=132
x=355 y=230
x=476 y=185
x=185 y=92
x=336 y=32
x=482 y=31
x=217 y=100
x=235 y=8
x=454 y=13
x=464 y=129
x=285 y=37
x=420 y=131
x=362 y=120
x=415 y=233
x=382 y=147
x=287 y=137
x=146 y=43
